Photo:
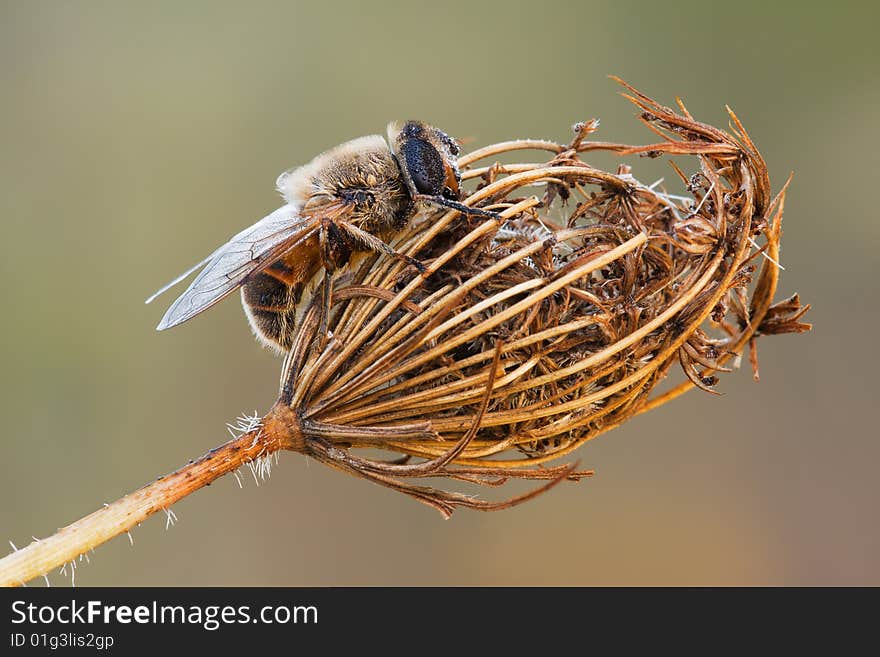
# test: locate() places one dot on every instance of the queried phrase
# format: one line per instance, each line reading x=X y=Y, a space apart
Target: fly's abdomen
x=271 y=297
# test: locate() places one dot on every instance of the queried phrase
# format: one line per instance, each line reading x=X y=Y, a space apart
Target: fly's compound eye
x=425 y=166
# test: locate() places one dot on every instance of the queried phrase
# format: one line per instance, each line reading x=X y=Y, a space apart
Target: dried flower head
x=526 y=338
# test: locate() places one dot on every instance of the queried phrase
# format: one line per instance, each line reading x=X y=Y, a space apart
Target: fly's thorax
x=371 y=183
x=297 y=185
x=362 y=172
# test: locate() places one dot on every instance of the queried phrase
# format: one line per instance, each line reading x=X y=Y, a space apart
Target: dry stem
x=69 y=543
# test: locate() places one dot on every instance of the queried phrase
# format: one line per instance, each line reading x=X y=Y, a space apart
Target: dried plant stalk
x=524 y=338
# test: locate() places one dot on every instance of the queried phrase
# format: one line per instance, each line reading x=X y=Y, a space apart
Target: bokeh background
x=138 y=136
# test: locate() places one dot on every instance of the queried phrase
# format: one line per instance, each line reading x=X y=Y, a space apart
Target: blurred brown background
x=137 y=138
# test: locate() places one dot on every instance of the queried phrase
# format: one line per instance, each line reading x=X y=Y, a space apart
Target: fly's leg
x=372 y=243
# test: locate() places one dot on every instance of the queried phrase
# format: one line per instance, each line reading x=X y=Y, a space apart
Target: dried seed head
x=526 y=338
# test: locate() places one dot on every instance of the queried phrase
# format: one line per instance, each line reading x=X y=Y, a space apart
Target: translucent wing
x=227 y=269
x=158 y=293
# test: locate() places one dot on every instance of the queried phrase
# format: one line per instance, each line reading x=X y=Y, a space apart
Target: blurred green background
x=139 y=136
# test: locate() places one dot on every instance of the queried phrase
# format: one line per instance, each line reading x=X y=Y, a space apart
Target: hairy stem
x=278 y=430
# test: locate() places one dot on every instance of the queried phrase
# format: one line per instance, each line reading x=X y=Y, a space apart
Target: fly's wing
x=227 y=269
